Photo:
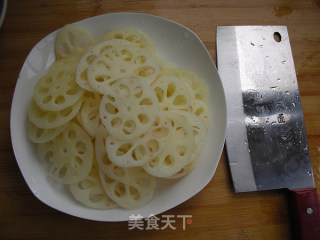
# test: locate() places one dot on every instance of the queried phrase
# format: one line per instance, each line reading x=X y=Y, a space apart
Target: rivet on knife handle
x=306 y=214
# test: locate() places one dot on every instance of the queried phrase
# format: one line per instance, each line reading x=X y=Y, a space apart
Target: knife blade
x=266 y=141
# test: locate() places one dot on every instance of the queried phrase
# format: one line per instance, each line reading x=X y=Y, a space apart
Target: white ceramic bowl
x=174 y=42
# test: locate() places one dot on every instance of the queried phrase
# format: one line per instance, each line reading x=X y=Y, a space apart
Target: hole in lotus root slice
x=172 y=93
x=146 y=101
x=160 y=94
x=123 y=114
x=131 y=36
x=59 y=74
x=120 y=190
x=72 y=157
x=71 y=91
x=71 y=134
x=123 y=90
x=123 y=149
x=71 y=40
x=46 y=99
x=168 y=160
x=180 y=100
x=116 y=122
x=112 y=99
x=96 y=197
x=154 y=162
x=47 y=81
x=171 y=89
x=181 y=150
x=181 y=132
x=118 y=171
x=57 y=89
x=138 y=92
x=43 y=90
x=108 y=64
x=48 y=156
x=90 y=191
x=140 y=59
x=146 y=71
x=111 y=109
x=39 y=135
x=153 y=145
x=135 y=195
x=200 y=109
x=91 y=96
x=108 y=180
x=138 y=153
x=60 y=99
x=106 y=160
x=201 y=93
x=85 y=184
x=143 y=118
x=64 y=150
x=129 y=127
x=126 y=55
x=80 y=147
x=160 y=132
x=178 y=151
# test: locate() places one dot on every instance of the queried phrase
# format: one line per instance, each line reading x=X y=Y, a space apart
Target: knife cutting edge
x=266 y=140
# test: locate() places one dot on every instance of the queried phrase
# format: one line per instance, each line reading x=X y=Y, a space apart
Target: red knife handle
x=306 y=214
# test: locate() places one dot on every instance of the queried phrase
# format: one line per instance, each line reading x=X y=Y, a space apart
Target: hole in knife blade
x=277 y=37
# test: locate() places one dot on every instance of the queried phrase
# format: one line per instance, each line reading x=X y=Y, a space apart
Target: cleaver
x=266 y=140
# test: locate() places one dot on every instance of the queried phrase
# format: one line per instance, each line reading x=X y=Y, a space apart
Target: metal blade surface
x=266 y=140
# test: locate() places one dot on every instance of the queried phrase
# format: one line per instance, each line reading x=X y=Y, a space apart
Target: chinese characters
x=155 y=223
